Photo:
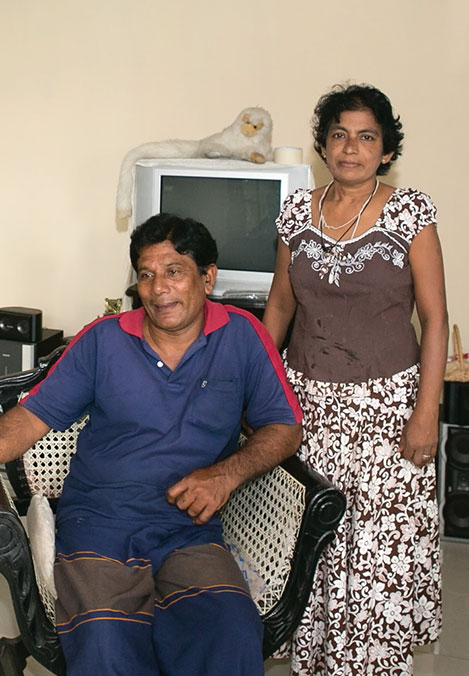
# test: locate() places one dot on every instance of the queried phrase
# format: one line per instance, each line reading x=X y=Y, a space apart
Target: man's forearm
x=204 y=491
x=264 y=449
x=19 y=430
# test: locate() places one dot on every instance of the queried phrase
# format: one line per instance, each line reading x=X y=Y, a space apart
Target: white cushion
x=41 y=531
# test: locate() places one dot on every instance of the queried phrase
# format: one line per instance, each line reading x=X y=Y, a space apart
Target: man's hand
x=201 y=493
x=204 y=491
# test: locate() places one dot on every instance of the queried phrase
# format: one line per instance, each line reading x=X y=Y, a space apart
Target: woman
x=353 y=257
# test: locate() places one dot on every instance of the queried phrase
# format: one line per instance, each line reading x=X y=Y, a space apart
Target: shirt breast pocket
x=216 y=405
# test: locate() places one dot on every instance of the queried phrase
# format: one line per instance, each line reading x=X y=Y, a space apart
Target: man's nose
x=160 y=284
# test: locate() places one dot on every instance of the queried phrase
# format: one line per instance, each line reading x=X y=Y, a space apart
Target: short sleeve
x=409 y=213
x=428 y=211
x=269 y=398
x=295 y=212
x=65 y=394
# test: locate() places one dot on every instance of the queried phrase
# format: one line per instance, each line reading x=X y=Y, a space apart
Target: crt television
x=238 y=202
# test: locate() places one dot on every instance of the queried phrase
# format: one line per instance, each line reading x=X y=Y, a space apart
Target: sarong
x=193 y=617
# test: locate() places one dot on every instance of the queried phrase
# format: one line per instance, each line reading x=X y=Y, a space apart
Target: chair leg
x=13 y=656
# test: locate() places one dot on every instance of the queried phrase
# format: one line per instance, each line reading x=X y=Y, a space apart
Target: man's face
x=171 y=288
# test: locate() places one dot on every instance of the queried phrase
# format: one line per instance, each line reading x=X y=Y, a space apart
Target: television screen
x=239 y=212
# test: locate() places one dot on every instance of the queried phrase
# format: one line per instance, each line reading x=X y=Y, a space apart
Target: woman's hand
x=419 y=441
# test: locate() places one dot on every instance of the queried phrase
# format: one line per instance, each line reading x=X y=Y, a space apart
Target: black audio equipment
x=456 y=402
x=23 y=324
x=453 y=481
x=16 y=356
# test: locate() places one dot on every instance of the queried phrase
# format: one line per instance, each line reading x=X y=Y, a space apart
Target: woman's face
x=354 y=147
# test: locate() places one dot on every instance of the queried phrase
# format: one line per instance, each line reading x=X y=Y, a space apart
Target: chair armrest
x=324 y=508
x=13 y=384
x=325 y=502
x=38 y=634
x=277 y=527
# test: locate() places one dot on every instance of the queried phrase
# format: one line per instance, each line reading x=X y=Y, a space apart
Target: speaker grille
x=20 y=324
x=453 y=479
x=457 y=448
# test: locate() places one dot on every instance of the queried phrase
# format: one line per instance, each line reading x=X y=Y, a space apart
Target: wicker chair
x=277 y=527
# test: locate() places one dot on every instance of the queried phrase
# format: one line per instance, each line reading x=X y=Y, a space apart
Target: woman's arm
x=281 y=304
x=419 y=441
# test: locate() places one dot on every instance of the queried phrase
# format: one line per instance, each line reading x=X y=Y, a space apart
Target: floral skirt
x=376 y=593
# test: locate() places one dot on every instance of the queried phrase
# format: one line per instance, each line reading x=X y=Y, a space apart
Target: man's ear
x=210 y=277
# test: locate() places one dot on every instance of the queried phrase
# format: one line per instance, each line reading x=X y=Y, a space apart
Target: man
x=145 y=582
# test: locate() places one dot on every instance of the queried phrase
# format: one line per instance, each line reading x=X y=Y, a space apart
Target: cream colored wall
x=83 y=81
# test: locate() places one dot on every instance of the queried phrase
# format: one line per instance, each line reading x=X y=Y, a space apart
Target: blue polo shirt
x=148 y=425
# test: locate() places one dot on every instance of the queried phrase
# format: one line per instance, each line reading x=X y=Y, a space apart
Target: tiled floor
x=449 y=658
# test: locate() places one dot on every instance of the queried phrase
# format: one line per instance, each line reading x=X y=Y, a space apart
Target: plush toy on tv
x=248 y=138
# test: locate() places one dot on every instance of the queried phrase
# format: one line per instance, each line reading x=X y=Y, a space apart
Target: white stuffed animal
x=248 y=138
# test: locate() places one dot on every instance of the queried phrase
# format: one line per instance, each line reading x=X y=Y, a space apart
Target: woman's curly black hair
x=343 y=98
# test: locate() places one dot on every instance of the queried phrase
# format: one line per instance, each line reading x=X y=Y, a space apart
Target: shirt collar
x=216 y=316
x=132 y=322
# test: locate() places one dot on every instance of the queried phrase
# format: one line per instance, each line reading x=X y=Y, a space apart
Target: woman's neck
x=351 y=193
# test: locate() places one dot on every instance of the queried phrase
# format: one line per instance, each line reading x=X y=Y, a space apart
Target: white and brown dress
x=353 y=362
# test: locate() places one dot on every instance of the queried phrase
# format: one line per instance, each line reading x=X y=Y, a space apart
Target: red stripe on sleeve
x=69 y=346
x=274 y=357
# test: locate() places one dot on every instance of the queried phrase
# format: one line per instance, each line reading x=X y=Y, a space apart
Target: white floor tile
x=35 y=669
x=439 y=665
x=8 y=626
x=454 y=640
x=277 y=668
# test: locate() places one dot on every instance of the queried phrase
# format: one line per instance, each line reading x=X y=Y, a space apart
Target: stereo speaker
x=16 y=356
x=456 y=402
x=23 y=324
x=453 y=481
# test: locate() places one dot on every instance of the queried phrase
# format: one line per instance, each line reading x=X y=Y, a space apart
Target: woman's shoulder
x=299 y=196
x=408 y=211
x=295 y=213
x=407 y=197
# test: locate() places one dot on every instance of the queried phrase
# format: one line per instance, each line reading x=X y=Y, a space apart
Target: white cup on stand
x=288 y=155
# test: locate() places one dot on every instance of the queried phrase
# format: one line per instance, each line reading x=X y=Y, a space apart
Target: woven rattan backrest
x=262 y=520
x=46 y=464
